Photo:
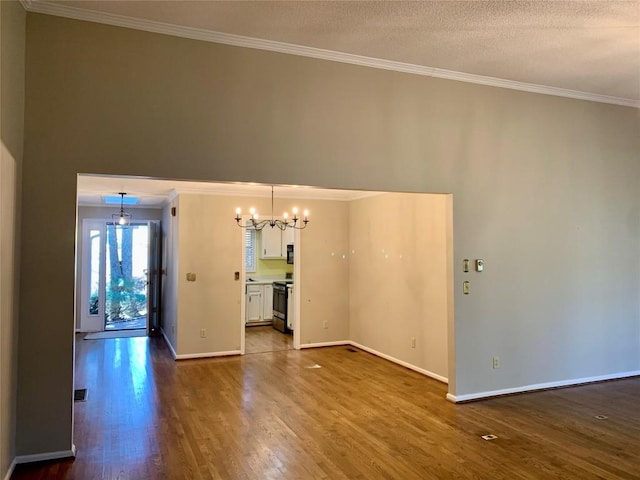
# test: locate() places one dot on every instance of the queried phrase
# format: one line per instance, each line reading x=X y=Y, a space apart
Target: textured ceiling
x=587 y=46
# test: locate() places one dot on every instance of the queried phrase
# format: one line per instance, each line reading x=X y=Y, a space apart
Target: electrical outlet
x=496 y=362
x=203 y=333
x=325 y=324
x=413 y=342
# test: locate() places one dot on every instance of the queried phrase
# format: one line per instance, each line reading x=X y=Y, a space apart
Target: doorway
x=118 y=276
x=270 y=274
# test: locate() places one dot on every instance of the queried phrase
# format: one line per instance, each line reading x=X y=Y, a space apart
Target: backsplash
x=272 y=268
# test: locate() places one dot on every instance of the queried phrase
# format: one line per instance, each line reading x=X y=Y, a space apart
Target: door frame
x=243 y=284
x=86 y=322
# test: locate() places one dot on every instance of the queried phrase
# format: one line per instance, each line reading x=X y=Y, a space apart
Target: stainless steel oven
x=290 y=253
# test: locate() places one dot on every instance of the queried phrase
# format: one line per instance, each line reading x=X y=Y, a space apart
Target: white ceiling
x=586 y=49
x=154 y=193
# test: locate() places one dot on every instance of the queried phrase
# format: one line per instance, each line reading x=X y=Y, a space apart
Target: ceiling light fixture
x=122 y=218
x=273 y=222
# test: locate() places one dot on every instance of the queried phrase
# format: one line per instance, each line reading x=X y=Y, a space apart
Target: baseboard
x=173 y=352
x=325 y=344
x=540 y=386
x=402 y=363
x=188 y=356
x=41 y=457
x=11 y=469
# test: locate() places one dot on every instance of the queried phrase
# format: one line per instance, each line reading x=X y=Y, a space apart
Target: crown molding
x=27 y=4
x=281 y=47
x=303 y=193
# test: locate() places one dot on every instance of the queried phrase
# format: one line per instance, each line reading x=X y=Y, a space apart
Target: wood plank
x=268 y=416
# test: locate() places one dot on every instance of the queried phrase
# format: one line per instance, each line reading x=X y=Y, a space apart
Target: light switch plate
x=466 y=287
x=465 y=265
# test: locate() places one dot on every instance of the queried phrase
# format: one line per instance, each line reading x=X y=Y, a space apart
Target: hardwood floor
x=266 y=339
x=269 y=416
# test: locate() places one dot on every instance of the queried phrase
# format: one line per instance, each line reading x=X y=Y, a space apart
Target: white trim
x=40 y=457
x=166 y=339
x=87 y=322
x=402 y=363
x=286 y=191
x=173 y=194
x=195 y=355
x=243 y=289
x=10 y=471
x=325 y=344
x=540 y=386
x=187 y=356
x=287 y=48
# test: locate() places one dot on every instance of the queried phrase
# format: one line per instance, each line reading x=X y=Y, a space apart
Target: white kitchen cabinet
x=267 y=302
x=275 y=241
x=288 y=238
x=259 y=303
x=253 y=306
x=271 y=246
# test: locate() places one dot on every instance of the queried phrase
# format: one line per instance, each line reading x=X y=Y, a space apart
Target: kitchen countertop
x=264 y=280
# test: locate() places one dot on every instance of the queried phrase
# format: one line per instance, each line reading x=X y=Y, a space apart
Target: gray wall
x=544 y=189
x=12 y=42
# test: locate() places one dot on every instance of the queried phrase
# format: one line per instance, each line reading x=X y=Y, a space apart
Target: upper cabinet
x=288 y=239
x=274 y=242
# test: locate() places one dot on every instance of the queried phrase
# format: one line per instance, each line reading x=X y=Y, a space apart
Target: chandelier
x=122 y=218
x=283 y=224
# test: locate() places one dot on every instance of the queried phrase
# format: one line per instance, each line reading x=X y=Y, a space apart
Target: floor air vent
x=80 y=395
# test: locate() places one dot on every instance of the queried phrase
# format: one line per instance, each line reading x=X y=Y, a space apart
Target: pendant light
x=122 y=218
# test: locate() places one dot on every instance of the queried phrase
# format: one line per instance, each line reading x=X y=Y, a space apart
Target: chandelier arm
x=273 y=222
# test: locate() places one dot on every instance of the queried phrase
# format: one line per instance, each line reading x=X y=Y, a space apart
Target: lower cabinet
x=253 y=307
x=259 y=303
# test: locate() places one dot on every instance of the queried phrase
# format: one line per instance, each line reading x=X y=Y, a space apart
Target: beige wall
x=398 y=279
x=391 y=300
x=544 y=189
x=12 y=44
x=210 y=245
x=324 y=269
